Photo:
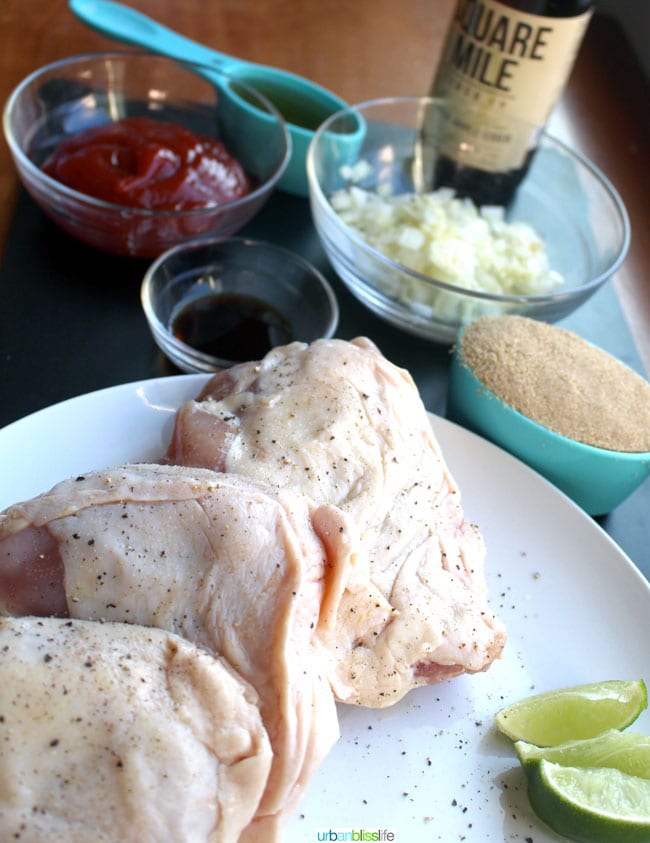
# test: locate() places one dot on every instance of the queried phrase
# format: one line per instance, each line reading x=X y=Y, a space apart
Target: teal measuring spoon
x=303 y=104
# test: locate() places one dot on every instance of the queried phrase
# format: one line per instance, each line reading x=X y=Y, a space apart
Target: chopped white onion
x=448 y=239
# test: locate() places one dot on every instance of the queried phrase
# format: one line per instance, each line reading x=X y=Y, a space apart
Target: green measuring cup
x=303 y=104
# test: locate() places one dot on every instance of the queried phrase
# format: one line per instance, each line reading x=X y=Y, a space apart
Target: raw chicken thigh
x=338 y=422
x=252 y=573
x=187 y=626
x=116 y=732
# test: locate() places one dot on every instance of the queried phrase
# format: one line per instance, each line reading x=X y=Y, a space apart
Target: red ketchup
x=145 y=163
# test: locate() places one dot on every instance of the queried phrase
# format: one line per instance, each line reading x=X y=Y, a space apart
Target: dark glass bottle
x=503 y=68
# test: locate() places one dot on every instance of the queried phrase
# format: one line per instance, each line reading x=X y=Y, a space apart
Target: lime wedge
x=591 y=804
x=628 y=752
x=576 y=713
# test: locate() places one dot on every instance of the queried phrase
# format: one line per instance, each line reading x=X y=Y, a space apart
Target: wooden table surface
x=368 y=49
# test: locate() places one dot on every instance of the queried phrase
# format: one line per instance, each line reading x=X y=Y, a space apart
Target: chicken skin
x=341 y=424
x=118 y=732
x=252 y=573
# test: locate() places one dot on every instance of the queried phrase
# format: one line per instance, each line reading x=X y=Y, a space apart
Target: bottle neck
x=551 y=8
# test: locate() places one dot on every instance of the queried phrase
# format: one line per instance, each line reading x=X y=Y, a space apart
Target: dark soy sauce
x=231 y=327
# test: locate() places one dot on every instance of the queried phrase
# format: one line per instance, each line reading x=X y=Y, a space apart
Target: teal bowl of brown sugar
x=568 y=409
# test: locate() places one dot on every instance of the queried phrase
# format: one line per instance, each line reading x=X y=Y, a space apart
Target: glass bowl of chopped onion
x=430 y=261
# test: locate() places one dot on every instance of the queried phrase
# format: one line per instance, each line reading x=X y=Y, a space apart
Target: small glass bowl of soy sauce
x=212 y=303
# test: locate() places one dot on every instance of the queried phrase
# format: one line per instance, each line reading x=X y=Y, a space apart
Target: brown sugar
x=560 y=381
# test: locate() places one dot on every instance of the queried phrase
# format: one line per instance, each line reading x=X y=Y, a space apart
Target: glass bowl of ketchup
x=134 y=153
x=216 y=302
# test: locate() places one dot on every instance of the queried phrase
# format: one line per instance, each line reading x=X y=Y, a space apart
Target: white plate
x=432 y=767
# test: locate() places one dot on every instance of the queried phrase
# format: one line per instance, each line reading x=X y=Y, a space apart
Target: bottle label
x=502 y=72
